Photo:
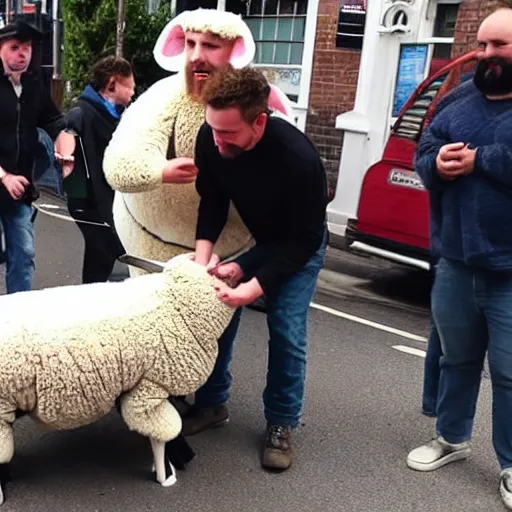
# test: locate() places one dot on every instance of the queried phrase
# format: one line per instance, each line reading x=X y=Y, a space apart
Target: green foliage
x=90 y=33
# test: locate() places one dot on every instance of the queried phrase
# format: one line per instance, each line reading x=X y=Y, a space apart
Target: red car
x=393 y=214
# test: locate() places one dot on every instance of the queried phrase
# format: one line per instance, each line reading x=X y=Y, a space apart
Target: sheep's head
x=193 y=297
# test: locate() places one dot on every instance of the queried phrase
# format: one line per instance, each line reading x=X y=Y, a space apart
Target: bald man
x=466 y=157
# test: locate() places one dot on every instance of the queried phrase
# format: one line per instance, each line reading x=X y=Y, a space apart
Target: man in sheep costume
x=150 y=159
x=141 y=340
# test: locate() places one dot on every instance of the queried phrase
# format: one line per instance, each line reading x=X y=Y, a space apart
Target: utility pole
x=56 y=40
x=120 y=28
x=8 y=7
x=57 y=84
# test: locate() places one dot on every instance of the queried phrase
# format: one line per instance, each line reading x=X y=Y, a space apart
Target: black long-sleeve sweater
x=279 y=189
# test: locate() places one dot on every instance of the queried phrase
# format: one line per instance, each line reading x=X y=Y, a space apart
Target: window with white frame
x=278 y=28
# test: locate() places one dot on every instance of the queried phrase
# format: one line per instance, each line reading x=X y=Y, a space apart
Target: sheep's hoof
x=170 y=474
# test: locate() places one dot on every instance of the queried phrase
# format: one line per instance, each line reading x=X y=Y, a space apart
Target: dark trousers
x=102 y=245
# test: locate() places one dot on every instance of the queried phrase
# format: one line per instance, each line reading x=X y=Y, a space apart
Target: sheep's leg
x=5 y=476
x=146 y=410
x=6 y=454
x=165 y=472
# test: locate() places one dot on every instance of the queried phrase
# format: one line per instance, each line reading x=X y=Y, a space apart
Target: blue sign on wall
x=411 y=72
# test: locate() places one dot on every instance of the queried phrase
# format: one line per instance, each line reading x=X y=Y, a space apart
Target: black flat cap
x=20 y=30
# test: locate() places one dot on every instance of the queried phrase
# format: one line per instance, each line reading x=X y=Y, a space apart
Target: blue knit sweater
x=474 y=222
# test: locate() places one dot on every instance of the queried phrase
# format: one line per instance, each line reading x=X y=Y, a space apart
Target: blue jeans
x=287 y=312
x=46 y=172
x=431 y=373
x=19 y=241
x=472 y=309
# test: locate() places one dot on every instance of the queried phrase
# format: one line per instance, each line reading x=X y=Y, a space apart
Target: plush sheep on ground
x=143 y=340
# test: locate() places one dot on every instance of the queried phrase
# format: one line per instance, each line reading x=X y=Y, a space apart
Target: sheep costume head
x=169 y=51
x=137 y=343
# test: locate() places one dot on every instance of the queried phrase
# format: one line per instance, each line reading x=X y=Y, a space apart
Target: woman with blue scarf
x=91 y=125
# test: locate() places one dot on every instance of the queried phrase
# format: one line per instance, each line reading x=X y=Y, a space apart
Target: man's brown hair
x=245 y=88
x=107 y=67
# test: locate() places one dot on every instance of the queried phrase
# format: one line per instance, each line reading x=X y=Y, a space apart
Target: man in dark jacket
x=90 y=126
x=25 y=105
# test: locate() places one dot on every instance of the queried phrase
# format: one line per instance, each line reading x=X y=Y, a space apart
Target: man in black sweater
x=25 y=105
x=275 y=178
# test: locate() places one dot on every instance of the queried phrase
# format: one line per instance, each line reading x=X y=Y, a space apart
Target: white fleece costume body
x=156 y=220
x=143 y=339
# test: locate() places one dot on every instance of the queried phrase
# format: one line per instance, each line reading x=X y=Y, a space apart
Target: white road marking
x=48 y=206
x=410 y=350
x=369 y=323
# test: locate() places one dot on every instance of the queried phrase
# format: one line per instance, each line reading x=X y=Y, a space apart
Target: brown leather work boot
x=277 y=450
x=196 y=420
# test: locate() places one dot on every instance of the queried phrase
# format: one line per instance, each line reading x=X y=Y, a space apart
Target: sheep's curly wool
x=156 y=220
x=143 y=339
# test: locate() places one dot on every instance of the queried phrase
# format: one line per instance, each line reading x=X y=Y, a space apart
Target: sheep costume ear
x=169 y=51
x=278 y=101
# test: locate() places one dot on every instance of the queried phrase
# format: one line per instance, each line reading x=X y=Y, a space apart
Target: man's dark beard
x=232 y=151
x=491 y=81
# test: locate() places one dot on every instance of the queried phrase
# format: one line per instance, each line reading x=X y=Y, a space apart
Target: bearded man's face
x=493 y=74
x=205 y=53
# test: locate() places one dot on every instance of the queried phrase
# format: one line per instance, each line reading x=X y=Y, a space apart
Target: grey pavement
x=361 y=416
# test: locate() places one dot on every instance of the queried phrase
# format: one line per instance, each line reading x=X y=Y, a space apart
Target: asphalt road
x=361 y=417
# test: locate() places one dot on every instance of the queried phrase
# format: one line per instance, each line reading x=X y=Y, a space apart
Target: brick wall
x=333 y=88
x=471 y=14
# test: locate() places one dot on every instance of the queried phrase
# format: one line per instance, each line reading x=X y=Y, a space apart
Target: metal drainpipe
x=120 y=28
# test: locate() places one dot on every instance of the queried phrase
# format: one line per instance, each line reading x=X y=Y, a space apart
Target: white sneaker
x=506 y=487
x=438 y=453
